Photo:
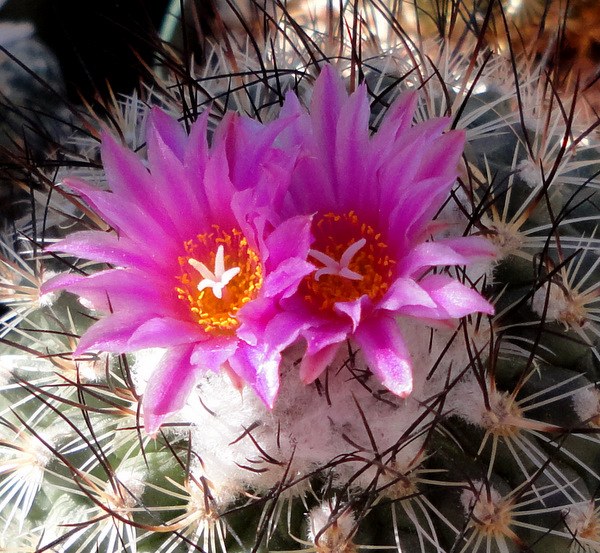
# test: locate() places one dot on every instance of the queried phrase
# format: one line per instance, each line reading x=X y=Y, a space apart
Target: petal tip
x=152 y=424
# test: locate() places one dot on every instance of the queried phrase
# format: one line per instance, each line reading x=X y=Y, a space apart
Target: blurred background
x=94 y=41
x=57 y=55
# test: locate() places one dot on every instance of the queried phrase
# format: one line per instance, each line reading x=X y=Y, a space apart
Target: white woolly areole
x=558 y=306
x=144 y=364
x=586 y=403
x=94 y=368
x=241 y=444
x=46 y=300
x=467 y=402
x=7 y=366
x=530 y=173
x=131 y=484
x=480 y=500
x=330 y=530
x=236 y=435
x=583 y=521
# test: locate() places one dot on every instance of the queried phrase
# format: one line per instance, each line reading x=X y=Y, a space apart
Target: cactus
x=489 y=446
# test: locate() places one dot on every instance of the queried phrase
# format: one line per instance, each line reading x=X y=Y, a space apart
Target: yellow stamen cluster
x=218 y=315
x=334 y=234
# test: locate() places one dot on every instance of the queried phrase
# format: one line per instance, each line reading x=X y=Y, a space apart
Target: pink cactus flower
x=373 y=199
x=196 y=254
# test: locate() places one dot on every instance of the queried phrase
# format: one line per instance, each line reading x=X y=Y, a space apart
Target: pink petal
x=355 y=310
x=284 y=280
x=276 y=328
x=212 y=353
x=312 y=365
x=329 y=95
x=396 y=173
x=474 y=248
x=196 y=153
x=351 y=147
x=249 y=148
x=125 y=216
x=386 y=353
x=259 y=367
x=255 y=316
x=112 y=333
x=326 y=332
x=162 y=332
x=61 y=282
x=442 y=154
x=411 y=215
x=397 y=121
x=169 y=387
x=429 y=254
x=220 y=189
x=123 y=289
x=453 y=300
x=292 y=238
x=283 y=329
x=107 y=248
x=297 y=133
x=175 y=194
x=131 y=182
x=170 y=131
x=403 y=292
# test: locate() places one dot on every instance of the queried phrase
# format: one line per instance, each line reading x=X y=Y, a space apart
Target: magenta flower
x=373 y=199
x=198 y=258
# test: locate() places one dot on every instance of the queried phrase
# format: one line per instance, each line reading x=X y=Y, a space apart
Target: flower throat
x=220 y=273
x=352 y=260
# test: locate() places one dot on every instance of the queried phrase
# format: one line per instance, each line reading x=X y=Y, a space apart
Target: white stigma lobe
x=218 y=279
x=341 y=267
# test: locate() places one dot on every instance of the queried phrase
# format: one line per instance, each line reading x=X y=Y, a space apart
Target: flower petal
x=291 y=238
x=259 y=367
x=326 y=332
x=162 y=332
x=386 y=353
x=133 y=184
x=210 y=355
x=452 y=298
x=284 y=281
x=169 y=387
x=170 y=131
x=111 y=333
x=127 y=217
x=429 y=254
x=474 y=248
x=403 y=292
x=122 y=289
x=329 y=95
x=61 y=282
x=312 y=365
x=355 y=310
x=105 y=247
x=396 y=122
x=351 y=143
x=179 y=200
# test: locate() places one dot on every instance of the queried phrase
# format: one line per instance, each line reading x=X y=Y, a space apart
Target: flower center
x=220 y=273
x=352 y=260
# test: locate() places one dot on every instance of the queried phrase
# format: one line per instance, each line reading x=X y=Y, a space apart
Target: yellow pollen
x=213 y=291
x=352 y=260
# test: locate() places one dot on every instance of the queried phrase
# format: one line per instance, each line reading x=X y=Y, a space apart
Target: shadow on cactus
x=331 y=288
